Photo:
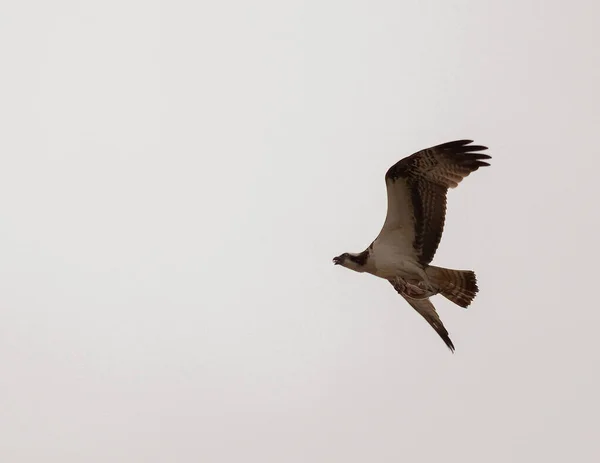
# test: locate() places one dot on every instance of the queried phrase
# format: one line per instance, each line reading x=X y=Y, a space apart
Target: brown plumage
x=458 y=286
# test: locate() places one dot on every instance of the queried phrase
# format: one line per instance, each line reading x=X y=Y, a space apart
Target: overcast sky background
x=177 y=176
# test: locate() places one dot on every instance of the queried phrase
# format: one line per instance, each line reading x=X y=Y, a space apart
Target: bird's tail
x=459 y=286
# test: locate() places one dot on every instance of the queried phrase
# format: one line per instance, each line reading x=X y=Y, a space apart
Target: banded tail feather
x=458 y=286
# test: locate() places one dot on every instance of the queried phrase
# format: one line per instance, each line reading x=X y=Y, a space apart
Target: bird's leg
x=415 y=289
x=400 y=285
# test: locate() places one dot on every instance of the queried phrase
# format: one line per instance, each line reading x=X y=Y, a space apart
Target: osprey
x=416 y=197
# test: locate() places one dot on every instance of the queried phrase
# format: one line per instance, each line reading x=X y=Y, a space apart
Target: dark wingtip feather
x=468 y=154
x=449 y=343
x=479 y=164
x=462 y=146
x=469 y=148
x=456 y=143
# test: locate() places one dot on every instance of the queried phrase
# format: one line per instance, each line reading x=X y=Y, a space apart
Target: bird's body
x=401 y=254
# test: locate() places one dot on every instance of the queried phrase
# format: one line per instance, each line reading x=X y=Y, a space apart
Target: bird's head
x=339 y=260
x=354 y=262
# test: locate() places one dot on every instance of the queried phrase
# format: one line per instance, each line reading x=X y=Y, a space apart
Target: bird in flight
x=416 y=212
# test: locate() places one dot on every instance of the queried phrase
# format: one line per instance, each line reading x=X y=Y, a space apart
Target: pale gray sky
x=176 y=177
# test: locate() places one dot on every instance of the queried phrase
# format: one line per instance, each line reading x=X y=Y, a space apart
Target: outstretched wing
x=416 y=191
x=428 y=312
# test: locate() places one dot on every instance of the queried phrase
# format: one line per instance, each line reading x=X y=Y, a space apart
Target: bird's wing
x=416 y=192
x=428 y=312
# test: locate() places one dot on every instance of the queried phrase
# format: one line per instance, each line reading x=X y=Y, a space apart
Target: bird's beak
x=336 y=260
